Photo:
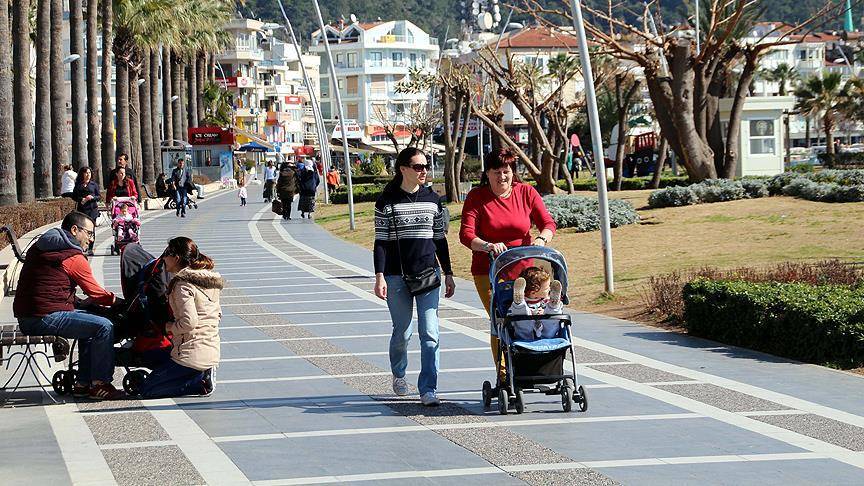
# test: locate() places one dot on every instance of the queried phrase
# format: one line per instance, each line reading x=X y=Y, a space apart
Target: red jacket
x=130 y=188
x=498 y=220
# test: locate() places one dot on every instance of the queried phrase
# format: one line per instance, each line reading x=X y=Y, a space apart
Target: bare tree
x=390 y=125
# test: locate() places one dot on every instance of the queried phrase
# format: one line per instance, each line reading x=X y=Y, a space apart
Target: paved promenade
x=303 y=392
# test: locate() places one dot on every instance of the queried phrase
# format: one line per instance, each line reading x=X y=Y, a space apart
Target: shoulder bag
x=417 y=283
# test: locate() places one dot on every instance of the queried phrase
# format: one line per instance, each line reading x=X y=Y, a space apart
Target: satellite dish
x=353 y=19
x=484 y=21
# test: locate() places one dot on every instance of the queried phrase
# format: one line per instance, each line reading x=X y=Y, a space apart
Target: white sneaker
x=400 y=386
x=430 y=399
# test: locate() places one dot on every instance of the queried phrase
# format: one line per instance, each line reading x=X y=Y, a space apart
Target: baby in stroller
x=125 y=223
x=535 y=293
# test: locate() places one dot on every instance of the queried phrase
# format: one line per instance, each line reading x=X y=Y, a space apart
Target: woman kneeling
x=193 y=295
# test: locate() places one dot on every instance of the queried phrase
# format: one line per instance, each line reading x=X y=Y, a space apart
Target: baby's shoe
x=519 y=290
x=554 y=293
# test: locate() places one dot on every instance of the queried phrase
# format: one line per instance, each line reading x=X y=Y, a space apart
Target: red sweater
x=499 y=220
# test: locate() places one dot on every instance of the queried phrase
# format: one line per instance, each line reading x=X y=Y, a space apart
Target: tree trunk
x=121 y=89
x=176 y=105
x=661 y=161
x=8 y=196
x=192 y=91
x=108 y=159
x=730 y=153
x=167 y=93
x=184 y=98
x=93 y=127
x=137 y=155
x=58 y=96
x=42 y=150
x=807 y=131
x=619 y=149
x=450 y=188
x=460 y=155
x=201 y=80
x=79 y=104
x=155 y=115
x=828 y=126
x=147 y=175
x=23 y=116
x=696 y=154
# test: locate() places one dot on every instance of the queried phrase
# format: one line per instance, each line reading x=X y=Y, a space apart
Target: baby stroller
x=534 y=347
x=139 y=321
x=125 y=232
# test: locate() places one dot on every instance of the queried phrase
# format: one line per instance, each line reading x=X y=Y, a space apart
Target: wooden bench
x=8 y=268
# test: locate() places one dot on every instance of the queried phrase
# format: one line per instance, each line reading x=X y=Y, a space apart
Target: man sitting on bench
x=45 y=303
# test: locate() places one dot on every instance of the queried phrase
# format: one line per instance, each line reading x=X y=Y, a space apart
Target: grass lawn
x=730 y=234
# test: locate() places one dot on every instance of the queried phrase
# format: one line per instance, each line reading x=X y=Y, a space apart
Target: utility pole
x=594 y=121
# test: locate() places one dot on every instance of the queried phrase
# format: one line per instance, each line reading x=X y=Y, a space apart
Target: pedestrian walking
x=410 y=254
x=193 y=295
x=286 y=187
x=67 y=183
x=123 y=163
x=121 y=185
x=241 y=193
x=333 y=179
x=270 y=175
x=309 y=181
x=182 y=180
x=86 y=194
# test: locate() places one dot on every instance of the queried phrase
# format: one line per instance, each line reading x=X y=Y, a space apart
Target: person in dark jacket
x=286 y=187
x=161 y=185
x=56 y=265
x=309 y=181
x=86 y=194
x=182 y=180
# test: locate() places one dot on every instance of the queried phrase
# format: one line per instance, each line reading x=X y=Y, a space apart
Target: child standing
x=241 y=193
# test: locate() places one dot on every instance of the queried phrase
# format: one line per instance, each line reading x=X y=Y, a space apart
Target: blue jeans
x=182 y=199
x=401 y=305
x=95 y=335
x=171 y=379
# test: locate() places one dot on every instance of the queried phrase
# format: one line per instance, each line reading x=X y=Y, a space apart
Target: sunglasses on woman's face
x=420 y=167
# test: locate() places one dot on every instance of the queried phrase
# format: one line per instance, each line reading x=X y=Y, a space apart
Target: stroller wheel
x=133 y=380
x=566 y=395
x=58 y=382
x=581 y=399
x=487 y=394
x=520 y=401
x=503 y=401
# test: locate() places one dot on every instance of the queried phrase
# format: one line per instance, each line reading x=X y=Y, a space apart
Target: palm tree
x=217 y=103
x=42 y=149
x=93 y=128
x=781 y=74
x=8 y=196
x=23 y=107
x=167 y=94
x=108 y=159
x=58 y=95
x=146 y=137
x=823 y=98
x=79 y=103
x=155 y=112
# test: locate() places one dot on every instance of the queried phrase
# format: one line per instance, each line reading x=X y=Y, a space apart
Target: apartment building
x=370 y=60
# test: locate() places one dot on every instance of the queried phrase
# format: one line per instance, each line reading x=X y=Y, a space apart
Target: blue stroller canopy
x=520 y=253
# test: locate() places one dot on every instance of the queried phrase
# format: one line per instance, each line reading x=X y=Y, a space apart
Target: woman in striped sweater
x=410 y=237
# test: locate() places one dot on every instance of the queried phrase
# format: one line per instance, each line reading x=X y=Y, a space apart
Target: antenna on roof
x=353 y=18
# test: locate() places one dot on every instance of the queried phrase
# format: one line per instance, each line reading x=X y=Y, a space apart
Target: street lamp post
x=335 y=86
x=600 y=165
x=323 y=144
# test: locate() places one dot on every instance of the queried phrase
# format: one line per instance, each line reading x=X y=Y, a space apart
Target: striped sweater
x=421 y=226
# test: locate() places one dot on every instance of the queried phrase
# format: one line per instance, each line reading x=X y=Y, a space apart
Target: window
x=341 y=84
x=397 y=58
x=352 y=111
x=378 y=84
x=325 y=89
x=378 y=111
x=326 y=110
x=340 y=60
x=762 y=140
x=375 y=58
x=352 y=85
x=413 y=58
x=352 y=59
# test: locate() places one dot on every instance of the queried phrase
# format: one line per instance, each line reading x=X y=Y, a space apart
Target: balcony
x=389 y=63
x=393 y=39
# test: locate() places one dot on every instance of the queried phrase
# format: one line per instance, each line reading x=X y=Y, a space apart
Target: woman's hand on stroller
x=495 y=249
x=380 y=286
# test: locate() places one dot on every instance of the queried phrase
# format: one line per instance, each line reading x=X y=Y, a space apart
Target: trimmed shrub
x=24 y=218
x=779 y=181
x=362 y=193
x=755 y=188
x=672 y=197
x=627 y=184
x=718 y=190
x=842 y=159
x=817 y=324
x=581 y=213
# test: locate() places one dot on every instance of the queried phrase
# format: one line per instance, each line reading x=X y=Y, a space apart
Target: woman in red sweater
x=121 y=186
x=498 y=215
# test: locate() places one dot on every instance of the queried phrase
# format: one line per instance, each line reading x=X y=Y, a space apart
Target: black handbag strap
x=396 y=231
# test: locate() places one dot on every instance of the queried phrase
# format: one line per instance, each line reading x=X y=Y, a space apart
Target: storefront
x=211 y=149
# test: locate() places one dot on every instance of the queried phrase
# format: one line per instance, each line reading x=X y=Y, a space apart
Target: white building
x=370 y=60
x=272 y=104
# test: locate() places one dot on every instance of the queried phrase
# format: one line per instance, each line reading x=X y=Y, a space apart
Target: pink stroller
x=124 y=222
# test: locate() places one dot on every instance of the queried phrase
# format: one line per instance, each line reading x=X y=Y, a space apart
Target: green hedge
x=627 y=184
x=819 y=324
x=842 y=160
x=362 y=193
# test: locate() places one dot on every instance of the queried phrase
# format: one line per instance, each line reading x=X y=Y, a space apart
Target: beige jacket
x=194 y=299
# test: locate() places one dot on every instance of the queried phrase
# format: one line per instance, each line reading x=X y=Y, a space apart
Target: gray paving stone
x=722 y=398
x=566 y=477
x=503 y=447
x=86 y=405
x=585 y=355
x=122 y=428
x=818 y=427
x=145 y=466
x=639 y=373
